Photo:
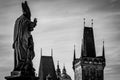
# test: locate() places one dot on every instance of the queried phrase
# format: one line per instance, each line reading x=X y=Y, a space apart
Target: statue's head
x=26 y=10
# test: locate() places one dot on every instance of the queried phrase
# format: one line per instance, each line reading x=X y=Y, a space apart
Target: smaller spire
x=41 y=51
x=84 y=21
x=103 y=53
x=51 y=52
x=74 y=46
x=64 y=66
x=58 y=64
x=64 y=70
x=91 y=22
x=58 y=69
x=74 y=57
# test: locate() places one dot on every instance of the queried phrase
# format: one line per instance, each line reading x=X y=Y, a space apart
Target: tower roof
x=47 y=68
x=88 y=45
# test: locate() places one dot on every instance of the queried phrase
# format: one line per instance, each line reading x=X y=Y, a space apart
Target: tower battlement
x=93 y=61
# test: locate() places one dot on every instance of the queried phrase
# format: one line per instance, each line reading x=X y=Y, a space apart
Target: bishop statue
x=23 y=44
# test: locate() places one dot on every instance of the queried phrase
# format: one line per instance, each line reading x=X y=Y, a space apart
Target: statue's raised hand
x=33 y=24
x=35 y=20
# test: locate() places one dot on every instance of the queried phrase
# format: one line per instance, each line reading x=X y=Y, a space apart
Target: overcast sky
x=60 y=26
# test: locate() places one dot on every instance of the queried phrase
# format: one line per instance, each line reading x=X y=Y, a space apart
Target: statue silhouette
x=23 y=41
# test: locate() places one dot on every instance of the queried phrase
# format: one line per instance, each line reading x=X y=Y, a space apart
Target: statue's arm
x=33 y=24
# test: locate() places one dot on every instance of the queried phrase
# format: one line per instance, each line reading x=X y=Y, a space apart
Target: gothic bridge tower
x=89 y=66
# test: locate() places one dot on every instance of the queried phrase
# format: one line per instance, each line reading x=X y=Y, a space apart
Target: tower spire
x=103 y=53
x=64 y=70
x=74 y=57
x=58 y=64
x=58 y=69
x=51 y=52
x=41 y=51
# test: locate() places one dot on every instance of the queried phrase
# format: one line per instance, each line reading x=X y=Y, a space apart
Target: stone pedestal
x=21 y=78
x=18 y=75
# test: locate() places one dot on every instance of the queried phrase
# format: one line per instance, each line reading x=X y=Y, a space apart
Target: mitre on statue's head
x=26 y=10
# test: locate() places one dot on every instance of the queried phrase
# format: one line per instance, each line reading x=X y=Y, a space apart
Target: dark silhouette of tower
x=47 y=68
x=89 y=66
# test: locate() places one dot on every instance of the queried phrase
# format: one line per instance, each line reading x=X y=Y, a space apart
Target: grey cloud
x=62 y=8
x=115 y=70
x=7 y=4
x=5 y=50
x=103 y=6
x=4 y=37
x=4 y=70
x=5 y=45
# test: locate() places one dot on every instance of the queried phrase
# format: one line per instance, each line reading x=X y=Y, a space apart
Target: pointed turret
x=58 y=65
x=64 y=75
x=58 y=71
x=103 y=53
x=88 y=44
x=51 y=52
x=84 y=21
x=64 y=70
x=41 y=51
x=74 y=57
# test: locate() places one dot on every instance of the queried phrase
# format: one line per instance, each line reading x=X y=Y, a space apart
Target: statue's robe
x=23 y=42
